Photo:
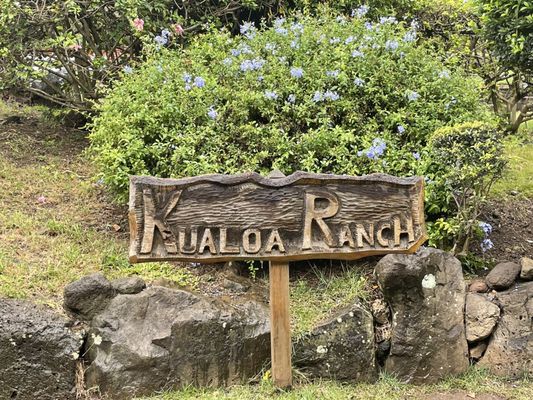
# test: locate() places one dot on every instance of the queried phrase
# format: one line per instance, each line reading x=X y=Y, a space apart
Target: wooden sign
x=215 y=218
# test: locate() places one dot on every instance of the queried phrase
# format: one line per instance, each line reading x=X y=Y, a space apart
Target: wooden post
x=280 y=333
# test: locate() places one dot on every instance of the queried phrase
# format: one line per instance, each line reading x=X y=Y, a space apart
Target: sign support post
x=280 y=334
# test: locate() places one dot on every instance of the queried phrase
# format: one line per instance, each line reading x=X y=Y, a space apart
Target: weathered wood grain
x=214 y=218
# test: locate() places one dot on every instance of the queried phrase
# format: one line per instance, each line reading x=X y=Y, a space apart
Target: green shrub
x=465 y=160
x=367 y=100
x=68 y=51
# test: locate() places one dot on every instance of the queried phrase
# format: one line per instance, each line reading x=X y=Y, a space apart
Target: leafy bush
x=465 y=161
x=337 y=95
x=508 y=26
x=68 y=51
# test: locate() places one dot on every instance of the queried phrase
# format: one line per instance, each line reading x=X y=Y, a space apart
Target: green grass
x=313 y=300
x=518 y=177
x=43 y=247
x=475 y=382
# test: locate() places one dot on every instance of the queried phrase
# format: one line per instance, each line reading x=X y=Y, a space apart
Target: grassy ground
x=518 y=179
x=475 y=384
x=56 y=223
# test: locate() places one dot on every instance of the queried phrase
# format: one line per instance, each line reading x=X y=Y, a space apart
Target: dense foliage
x=68 y=51
x=329 y=94
x=508 y=24
x=465 y=161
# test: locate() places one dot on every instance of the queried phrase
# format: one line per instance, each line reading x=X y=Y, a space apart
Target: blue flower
x=360 y=153
x=260 y=78
x=127 y=69
x=212 y=113
x=377 y=149
x=410 y=36
x=361 y=11
x=297 y=27
x=335 y=40
x=270 y=47
x=187 y=77
x=281 y=31
x=391 y=45
x=486 y=227
x=294 y=44
x=333 y=74
x=161 y=40
x=416 y=155
x=199 y=82
x=358 y=82
x=357 y=53
x=444 y=74
x=271 y=95
x=412 y=95
x=245 y=49
x=252 y=65
x=235 y=52
x=187 y=87
x=165 y=33
x=388 y=20
x=400 y=129
x=486 y=245
x=291 y=98
x=297 y=72
x=248 y=29
x=279 y=22
x=227 y=61
x=318 y=96
x=349 y=40
x=368 y=25
x=331 y=95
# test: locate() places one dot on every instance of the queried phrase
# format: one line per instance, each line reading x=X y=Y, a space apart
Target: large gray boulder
x=37 y=353
x=164 y=338
x=341 y=348
x=481 y=316
x=510 y=349
x=426 y=293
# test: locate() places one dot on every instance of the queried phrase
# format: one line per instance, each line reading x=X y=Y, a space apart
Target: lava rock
x=478 y=286
x=481 y=317
x=341 y=348
x=37 y=353
x=128 y=285
x=526 y=271
x=88 y=296
x=510 y=349
x=380 y=311
x=476 y=352
x=164 y=338
x=426 y=293
x=503 y=275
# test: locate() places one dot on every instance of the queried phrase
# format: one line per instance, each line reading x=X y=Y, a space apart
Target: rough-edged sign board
x=214 y=218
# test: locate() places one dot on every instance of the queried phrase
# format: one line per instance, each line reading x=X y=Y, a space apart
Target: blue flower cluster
x=248 y=30
x=376 y=150
x=359 y=82
x=212 y=113
x=330 y=95
x=252 y=65
x=391 y=45
x=198 y=81
x=297 y=72
x=333 y=74
x=412 y=95
x=486 y=243
x=162 y=39
x=360 y=12
x=271 y=95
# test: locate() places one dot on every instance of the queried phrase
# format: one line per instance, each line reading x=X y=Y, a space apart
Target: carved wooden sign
x=214 y=218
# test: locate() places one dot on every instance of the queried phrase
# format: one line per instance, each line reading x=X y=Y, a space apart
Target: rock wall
x=138 y=340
